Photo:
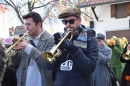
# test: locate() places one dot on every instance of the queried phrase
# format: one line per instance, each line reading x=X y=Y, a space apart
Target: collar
x=102 y=45
x=38 y=35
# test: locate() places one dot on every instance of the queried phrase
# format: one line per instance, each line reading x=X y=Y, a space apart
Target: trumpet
x=126 y=56
x=51 y=55
x=8 y=51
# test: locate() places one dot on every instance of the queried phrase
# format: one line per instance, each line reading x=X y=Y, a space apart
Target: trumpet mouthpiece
x=27 y=31
x=68 y=29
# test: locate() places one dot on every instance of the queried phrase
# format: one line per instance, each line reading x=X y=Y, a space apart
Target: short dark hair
x=35 y=16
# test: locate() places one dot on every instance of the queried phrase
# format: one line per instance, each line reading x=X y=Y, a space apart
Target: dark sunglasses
x=71 y=21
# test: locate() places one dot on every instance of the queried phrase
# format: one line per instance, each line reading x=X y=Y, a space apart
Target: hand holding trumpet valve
x=66 y=44
x=126 y=56
x=18 y=45
x=21 y=45
x=128 y=47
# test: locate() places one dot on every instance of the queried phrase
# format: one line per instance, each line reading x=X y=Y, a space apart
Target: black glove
x=111 y=46
x=21 y=35
x=66 y=44
x=91 y=33
x=57 y=37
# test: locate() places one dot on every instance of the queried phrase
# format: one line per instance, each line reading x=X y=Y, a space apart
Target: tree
x=22 y=7
x=48 y=10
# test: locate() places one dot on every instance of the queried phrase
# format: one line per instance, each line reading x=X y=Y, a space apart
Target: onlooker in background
x=31 y=67
x=8 y=42
x=78 y=60
x=117 y=66
x=125 y=78
x=10 y=73
x=2 y=62
x=101 y=73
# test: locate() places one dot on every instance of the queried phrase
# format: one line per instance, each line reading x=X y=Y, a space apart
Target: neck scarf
x=81 y=40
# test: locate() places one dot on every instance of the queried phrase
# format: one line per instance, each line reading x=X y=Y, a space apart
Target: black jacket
x=126 y=69
x=82 y=69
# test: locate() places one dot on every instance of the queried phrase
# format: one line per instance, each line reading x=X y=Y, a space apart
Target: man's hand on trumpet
x=15 y=39
x=128 y=47
x=21 y=45
x=66 y=44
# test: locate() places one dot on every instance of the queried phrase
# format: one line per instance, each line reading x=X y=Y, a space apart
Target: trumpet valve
x=128 y=52
x=58 y=53
x=126 y=56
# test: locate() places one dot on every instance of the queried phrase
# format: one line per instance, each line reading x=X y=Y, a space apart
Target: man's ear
x=80 y=19
x=39 y=24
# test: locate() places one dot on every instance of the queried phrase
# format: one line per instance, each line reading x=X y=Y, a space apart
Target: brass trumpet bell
x=48 y=56
x=51 y=55
x=126 y=56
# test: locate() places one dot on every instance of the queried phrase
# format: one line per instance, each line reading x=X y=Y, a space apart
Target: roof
x=92 y=3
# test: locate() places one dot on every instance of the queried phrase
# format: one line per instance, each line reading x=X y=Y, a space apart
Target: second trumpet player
x=74 y=67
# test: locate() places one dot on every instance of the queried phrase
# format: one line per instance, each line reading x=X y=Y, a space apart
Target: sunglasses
x=71 y=21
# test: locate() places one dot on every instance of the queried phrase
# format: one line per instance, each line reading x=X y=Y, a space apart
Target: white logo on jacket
x=67 y=65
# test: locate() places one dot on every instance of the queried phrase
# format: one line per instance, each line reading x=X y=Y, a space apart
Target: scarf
x=81 y=40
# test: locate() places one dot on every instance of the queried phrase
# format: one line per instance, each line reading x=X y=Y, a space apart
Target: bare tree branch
x=87 y=15
x=16 y=9
x=30 y=5
x=43 y=5
x=48 y=12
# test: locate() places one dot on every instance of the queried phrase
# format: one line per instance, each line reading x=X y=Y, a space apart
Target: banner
x=55 y=0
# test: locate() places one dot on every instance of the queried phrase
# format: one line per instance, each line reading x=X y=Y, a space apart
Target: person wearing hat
x=117 y=65
x=74 y=67
x=8 y=42
x=9 y=78
x=125 y=77
x=104 y=57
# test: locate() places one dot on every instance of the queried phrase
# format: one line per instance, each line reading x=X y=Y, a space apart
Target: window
x=120 y=10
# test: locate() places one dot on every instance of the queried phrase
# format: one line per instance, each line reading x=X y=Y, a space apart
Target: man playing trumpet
x=31 y=67
x=78 y=59
x=125 y=78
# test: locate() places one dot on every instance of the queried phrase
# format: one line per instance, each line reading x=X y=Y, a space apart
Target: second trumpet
x=51 y=55
x=126 y=56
